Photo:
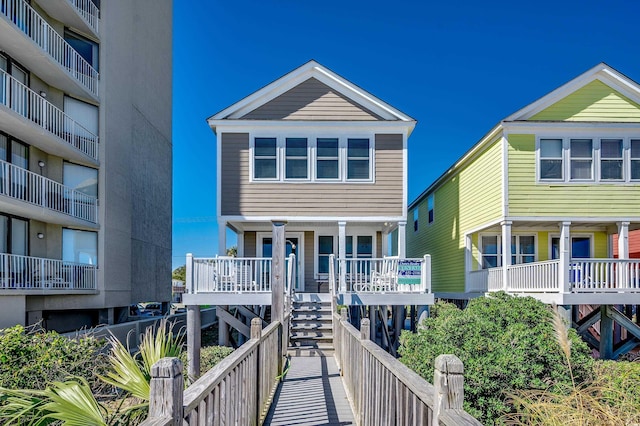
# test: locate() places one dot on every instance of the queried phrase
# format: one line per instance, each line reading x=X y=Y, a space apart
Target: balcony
x=80 y=14
x=27 y=114
x=35 y=275
x=386 y=281
x=588 y=281
x=59 y=204
x=28 y=38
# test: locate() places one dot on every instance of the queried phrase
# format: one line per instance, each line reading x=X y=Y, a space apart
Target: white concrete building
x=85 y=159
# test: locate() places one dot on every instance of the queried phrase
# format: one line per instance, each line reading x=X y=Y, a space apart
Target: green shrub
x=211 y=355
x=506 y=344
x=621 y=375
x=31 y=358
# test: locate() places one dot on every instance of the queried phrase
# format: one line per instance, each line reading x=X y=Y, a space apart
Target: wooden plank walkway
x=312 y=393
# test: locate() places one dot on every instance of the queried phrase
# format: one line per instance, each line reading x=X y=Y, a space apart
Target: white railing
x=35 y=273
x=231 y=275
x=23 y=185
x=477 y=281
x=35 y=108
x=605 y=275
x=386 y=275
x=495 y=279
x=37 y=29
x=88 y=11
x=534 y=277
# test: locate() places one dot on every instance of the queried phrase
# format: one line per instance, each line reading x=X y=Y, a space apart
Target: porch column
x=506 y=253
x=623 y=240
x=468 y=253
x=222 y=238
x=240 y=236
x=565 y=257
x=402 y=241
x=342 y=254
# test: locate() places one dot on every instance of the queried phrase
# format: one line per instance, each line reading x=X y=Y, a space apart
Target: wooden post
x=193 y=342
x=343 y=314
x=448 y=382
x=278 y=277
x=167 y=388
x=256 y=328
x=223 y=327
x=606 y=333
x=364 y=329
x=256 y=333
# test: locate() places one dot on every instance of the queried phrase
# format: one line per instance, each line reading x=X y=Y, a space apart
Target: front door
x=293 y=246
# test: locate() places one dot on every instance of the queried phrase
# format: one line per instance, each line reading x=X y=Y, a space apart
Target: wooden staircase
x=311 y=331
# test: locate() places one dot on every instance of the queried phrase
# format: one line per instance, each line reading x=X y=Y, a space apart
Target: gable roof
x=310 y=70
x=601 y=72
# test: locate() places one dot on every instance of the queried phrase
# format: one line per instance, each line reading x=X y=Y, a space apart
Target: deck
x=312 y=393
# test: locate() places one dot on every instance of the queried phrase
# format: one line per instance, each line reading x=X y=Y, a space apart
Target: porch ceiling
x=307 y=225
x=576 y=226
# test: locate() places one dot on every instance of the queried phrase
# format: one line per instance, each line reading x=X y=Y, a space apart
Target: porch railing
x=236 y=274
x=603 y=275
x=37 y=109
x=88 y=10
x=534 y=277
x=25 y=18
x=23 y=185
x=477 y=281
x=385 y=275
x=35 y=273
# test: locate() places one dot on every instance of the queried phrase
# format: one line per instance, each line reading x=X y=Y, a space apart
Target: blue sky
x=458 y=67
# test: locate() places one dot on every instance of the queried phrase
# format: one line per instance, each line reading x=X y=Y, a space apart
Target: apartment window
x=490 y=251
x=635 y=159
x=80 y=246
x=325 y=249
x=327 y=158
x=581 y=159
x=86 y=48
x=265 y=158
x=551 y=159
x=358 y=159
x=430 y=206
x=415 y=219
x=14 y=180
x=82 y=113
x=296 y=158
x=81 y=178
x=611 y=159
x=14 y=235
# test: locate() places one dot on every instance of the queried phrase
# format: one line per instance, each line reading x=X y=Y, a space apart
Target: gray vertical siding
x=311 y=100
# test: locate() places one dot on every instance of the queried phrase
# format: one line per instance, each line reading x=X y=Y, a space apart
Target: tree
x=232 y=251
x=179 y=273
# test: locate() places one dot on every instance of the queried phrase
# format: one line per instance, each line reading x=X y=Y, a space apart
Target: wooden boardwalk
x=312 y=393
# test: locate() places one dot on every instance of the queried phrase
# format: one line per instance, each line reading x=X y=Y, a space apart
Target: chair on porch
x=387 y=278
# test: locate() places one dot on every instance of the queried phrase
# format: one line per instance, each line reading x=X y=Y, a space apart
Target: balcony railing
x=88 y=11
x=40 y=32
x=35 y=108
x=35 y=273
x=584 y=276
x=386 y=275
x=23 y=185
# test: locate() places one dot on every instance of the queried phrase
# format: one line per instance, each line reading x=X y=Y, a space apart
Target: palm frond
x=125 y=372
x=73 y=404
x=160 y=343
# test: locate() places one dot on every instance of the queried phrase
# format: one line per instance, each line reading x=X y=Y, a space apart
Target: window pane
x=527 y=244
x=296 y=147
x=267 y=247
x=611 y=169
x=296 y=169
x=580 y=169
x=490 y=244
x=635 y=148
x=325 y=244
x=327 y=147
x=265 y=169
x=349 y=248
x=611 y=148
x=358 y=148
x=3 y=147
x=635 y=169
x=4 y=233
x=85 y=47
x=19 y=236
x=327 y=169
x=323 y=264
x=81 y=178
x=265 y=147
x=358 y=169
x=581 y=148
x=80 y=246
x=489 y=262
x=19 y=155
x=365 y=247
x=83 y=113
x=551 y=148
x=550 y=169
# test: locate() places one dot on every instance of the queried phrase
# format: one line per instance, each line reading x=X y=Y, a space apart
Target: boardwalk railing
x=382 y=390
x=30 y=105
x=237 y=391
x=385 y=275
x=36 y=273
x=24 y=185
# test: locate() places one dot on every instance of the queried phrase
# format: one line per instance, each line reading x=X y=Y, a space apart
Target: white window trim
x=293 y=157
x=312 y=138
x=596 y=173
x=499 y=237
x=591 y=237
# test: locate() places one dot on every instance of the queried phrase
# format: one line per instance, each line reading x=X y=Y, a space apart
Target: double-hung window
x=325 y=249
x=358 y=159
x=523 y=250
x=327 y=158
x=265 y=158
x=415 y=219
x=430 y=206
x=581 y=159
x=296 y=158
x=551 y=164
x=611 y=159
x=635 y=159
